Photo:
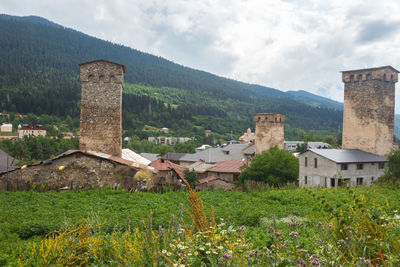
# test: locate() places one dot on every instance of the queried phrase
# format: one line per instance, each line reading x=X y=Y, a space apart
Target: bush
x=275 y=167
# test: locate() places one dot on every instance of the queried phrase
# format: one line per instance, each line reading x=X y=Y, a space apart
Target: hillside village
x=100 y=160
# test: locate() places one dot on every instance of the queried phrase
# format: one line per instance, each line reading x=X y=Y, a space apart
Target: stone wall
x=81 y=171
x=269 y=131
x=368 y=114
x=101 y=107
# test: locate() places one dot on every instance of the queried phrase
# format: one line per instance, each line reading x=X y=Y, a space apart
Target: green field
x=27 y=216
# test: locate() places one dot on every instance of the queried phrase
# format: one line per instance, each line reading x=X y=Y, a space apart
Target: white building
x=6 y=128
x=31 y=130
x=336 y=167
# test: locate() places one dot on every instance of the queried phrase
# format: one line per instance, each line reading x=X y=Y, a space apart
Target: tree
x=191 y=177
x=163 y=149
x=331 y=140
x=392 y=173
x=274 y=167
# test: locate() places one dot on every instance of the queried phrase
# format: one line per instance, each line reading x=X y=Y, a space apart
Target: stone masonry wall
x=81 y=171
x=101 y=107
x=269 y=131
x=368 y=115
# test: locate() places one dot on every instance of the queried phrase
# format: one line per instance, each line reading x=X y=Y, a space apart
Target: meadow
x=28 y=217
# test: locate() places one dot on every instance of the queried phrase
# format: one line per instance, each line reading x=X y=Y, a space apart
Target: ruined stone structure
x=368 y=114
x=101 y=107
x=269 y=131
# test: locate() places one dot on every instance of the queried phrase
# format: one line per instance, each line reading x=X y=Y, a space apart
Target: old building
x=368 y=114
x=74 y=169
x=269 y=131
x=226 y=170
x=169 y=173
x=101 y=106
x=31 y=130
x=247 y=137
x=213 y=182
x=336 y=167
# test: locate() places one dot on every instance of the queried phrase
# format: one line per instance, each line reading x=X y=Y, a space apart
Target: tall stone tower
x=101 y=106
x=368 y=114
x=269 y=131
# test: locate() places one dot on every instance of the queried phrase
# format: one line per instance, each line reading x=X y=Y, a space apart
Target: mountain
x=39 y=74
x=315 y=100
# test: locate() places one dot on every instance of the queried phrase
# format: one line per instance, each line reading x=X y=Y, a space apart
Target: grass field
x=29 y=216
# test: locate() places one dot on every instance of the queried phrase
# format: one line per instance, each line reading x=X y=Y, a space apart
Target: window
x=332 y=182
x=343 y=167
x=360 y=166
x=381 y=165
x=315 y=163
x=360 y=180
x=305 y=179
x=305 y=161
x=372 y=178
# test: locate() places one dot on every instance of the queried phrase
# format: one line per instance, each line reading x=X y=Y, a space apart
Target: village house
x=222 y=175
x=201 y=168
x=162 y=140
x=31 y=130
x=6 y=128
x=169 y=173
x=336 y=167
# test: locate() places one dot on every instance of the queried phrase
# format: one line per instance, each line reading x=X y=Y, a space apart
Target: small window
x=315 y=163
x=332 y=182
x=381 y=165
x=305 y=179
x=305 y=161
x=372 y=178
x=360 y=180
x=360 y=166
x=343 y=167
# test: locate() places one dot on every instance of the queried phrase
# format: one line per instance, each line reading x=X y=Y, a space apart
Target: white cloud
x=289 y=45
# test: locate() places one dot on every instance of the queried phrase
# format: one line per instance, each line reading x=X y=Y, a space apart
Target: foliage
x=391 y=177
x=191 y=177
x=274 y=167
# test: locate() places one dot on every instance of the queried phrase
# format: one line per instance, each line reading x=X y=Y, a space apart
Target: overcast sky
x=285 y=44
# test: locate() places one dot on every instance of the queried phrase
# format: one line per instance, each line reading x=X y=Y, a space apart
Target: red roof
x=166 y=165
x=207 y=179
x=32 y=127
x=229 y=166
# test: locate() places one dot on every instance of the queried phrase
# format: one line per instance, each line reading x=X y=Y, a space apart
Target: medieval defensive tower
x=269 y=131
x=368 y=114
x=101 y=106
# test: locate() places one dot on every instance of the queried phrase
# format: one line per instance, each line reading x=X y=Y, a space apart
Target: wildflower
x=227 y=255
x=208 y=244
x=169 y=254
x=278 y=234
x=201 y=248
x=265 y=248
x=195 y=253
x=208 y=252
x=293 y=234
x=61 y=168
x=220 y=247
x=189 y=254
x=164 y=251
x=241 y=229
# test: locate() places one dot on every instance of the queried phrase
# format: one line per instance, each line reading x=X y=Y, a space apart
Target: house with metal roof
x=337 y=167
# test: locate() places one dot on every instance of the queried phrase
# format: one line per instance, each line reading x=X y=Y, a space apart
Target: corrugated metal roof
x=149 y=156
x=200 y=166
x=216 y=154
x=227 y=166
x=173 y=156
x=348 y=155
x=132 y=156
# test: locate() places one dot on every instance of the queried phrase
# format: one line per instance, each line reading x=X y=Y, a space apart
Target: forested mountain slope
x=39 y=74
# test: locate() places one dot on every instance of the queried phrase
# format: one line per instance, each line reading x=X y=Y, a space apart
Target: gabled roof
x=173 y=156
x=32 y=127
x=200 y=166
x=370 y=69
x=348 y=155
x=150 y=156
x=102 y=60
x=166 y=165
x=207 y=179
x=227 y=166
x=216 y=154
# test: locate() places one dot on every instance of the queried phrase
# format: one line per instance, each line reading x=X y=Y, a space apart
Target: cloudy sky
x=285 y=44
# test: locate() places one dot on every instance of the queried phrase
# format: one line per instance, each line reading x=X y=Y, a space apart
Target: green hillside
x=39 y=74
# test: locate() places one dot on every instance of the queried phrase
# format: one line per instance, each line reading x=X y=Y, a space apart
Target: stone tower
x=269 y=131
x=368 y=114
x=101 y=106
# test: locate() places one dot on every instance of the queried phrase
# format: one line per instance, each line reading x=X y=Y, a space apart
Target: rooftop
x=166 y=165
x=348 y=155
x=371 y=69
x=227 y=166
x=102 y=60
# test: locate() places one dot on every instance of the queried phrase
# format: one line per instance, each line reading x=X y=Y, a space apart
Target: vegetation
x=391 y=177
x=191 y=177
x=274 y=167
x=280 y=226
